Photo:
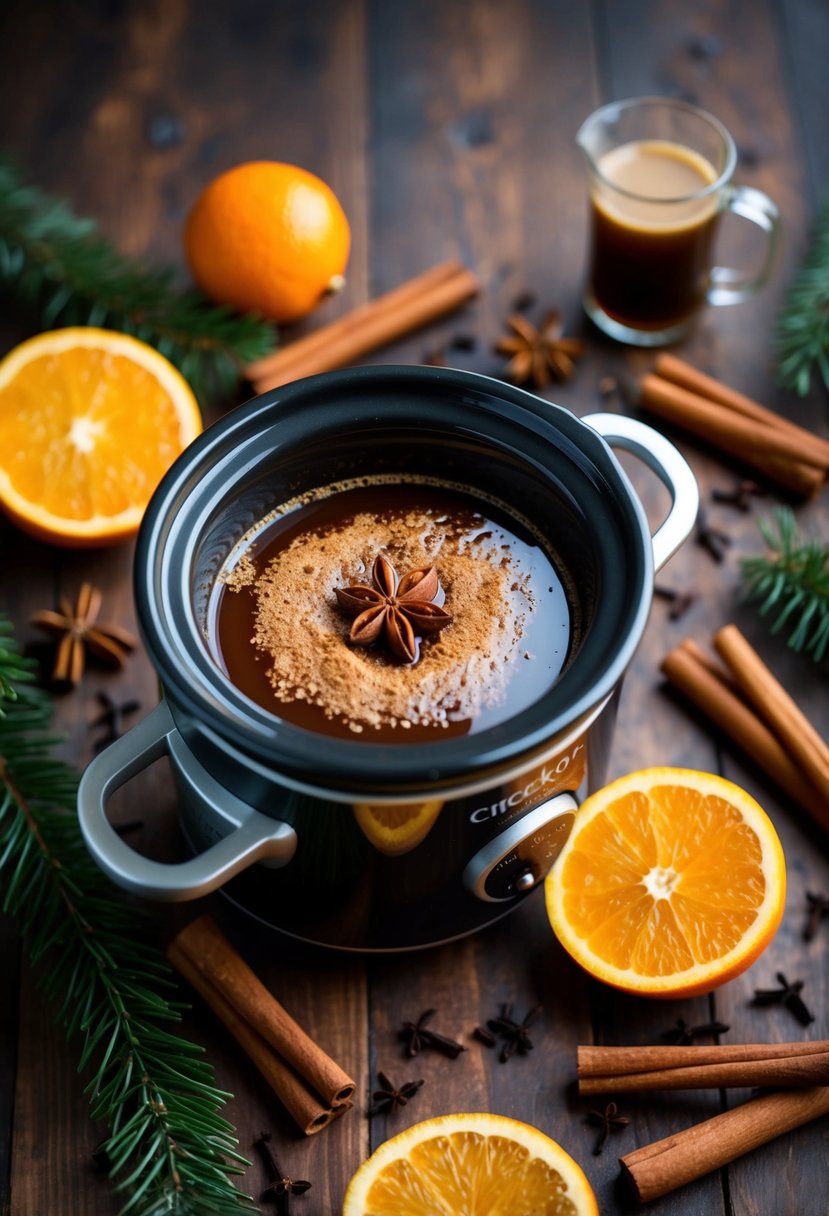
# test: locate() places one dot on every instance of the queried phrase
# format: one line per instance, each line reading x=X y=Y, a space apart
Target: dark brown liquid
x=652 y=254
x=475 y=527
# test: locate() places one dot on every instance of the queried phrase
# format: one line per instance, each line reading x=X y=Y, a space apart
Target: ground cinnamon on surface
x=302 y=633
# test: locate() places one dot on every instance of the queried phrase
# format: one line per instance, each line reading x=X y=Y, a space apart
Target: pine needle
x=56 y=269
x=169 y=1149
x=792 y=583
x=803 y=324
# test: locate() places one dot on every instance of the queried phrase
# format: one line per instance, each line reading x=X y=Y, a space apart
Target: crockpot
x=285 y=820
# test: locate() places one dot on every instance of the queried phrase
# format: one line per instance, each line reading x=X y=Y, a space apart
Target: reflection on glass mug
x=660 y=177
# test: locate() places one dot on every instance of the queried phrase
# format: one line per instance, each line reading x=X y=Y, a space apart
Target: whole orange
x=268 y=237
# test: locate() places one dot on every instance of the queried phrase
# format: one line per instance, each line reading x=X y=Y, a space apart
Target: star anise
x=394 y=608
x=79 y=632
x=539 y=355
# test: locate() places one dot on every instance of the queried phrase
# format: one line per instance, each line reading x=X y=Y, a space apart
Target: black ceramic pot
x=275 y=814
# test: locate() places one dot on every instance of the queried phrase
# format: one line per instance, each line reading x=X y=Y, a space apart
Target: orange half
x=90 y=420
x=671 y=883
x=470 y=1165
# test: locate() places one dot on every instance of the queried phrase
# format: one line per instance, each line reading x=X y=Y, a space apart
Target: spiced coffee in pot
x=393 y=610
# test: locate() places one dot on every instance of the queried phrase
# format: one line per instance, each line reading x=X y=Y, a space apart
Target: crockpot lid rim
x=251 y=727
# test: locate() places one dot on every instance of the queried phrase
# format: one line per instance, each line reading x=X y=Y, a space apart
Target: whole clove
x=416 y=1036
x=280 y=1188
x=787 y=995
x=609 y=1120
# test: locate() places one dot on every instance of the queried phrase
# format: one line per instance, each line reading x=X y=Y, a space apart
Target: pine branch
x=14 y=669
x=58 y=270
x=803 y=324
x=168 y=1146
x=792 y=581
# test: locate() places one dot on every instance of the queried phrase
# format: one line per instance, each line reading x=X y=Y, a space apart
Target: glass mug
x=660 y=175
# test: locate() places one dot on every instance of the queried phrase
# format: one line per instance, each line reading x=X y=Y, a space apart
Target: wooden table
x=447 y=131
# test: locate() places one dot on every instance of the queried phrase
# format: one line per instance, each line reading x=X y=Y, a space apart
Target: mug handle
x=254 y=836
x=672 y=469
x=733 y=286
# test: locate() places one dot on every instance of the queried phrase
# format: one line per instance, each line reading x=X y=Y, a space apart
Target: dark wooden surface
x=447 y=130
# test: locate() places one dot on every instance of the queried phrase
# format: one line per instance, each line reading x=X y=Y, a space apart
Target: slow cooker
x=280 y=818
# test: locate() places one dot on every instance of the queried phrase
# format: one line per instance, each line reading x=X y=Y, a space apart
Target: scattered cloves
x=416 y=1036
x=516 y=1035
x=112 y=718
x=388 y=1098
x=680 y=601
x=740 y=496
x=280 y=1188
x=787 y=995
x=484 y=1036
x=684 y=1035
x=710 y=538
x=609 y=1120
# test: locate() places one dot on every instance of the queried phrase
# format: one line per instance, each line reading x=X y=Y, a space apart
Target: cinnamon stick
x=787 y=458
x=606 y=1061
x=678 y=372
x=278 y=1045
x=304 y=1107
x=367 y=327
x=773 y=703
x=659 y=1168
x=634 y=1069
x=721 y=704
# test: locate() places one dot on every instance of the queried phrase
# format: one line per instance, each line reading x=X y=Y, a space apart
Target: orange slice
x=671 y=883
x=90 y=420
x=398 y=828
x=470 y=1165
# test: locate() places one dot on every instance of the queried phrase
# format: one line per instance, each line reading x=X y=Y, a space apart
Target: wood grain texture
x=448 y=132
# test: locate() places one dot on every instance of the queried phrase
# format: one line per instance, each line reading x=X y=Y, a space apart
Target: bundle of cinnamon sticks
x=657 y=1169
x=779 y=450
x=366 y=328
x=311 y=1086
x=746 y=701
x=765 y=1065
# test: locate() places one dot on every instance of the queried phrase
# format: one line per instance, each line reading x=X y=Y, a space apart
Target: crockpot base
x=420 y=929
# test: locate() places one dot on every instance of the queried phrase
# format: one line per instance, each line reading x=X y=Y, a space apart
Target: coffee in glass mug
x=660 y=179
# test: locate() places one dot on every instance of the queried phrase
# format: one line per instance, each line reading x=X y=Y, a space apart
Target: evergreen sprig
x=803 y=324
x=169 y=1149
x=792 y=581
x=56 y=269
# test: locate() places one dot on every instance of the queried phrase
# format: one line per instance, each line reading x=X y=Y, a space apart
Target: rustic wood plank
x=483 y=168
x=467 y=152
x=805 y=32
x=10 y=969
x=125 y=72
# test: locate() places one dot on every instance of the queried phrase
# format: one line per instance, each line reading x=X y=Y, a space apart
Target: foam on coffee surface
x=303 y=634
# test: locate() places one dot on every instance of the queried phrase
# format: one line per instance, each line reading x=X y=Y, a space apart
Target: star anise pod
x=539 y=355
x=79 y=632
x=394 y=608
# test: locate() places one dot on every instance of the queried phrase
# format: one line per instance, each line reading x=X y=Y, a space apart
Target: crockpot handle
x=671 y=468
x=253 y=837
